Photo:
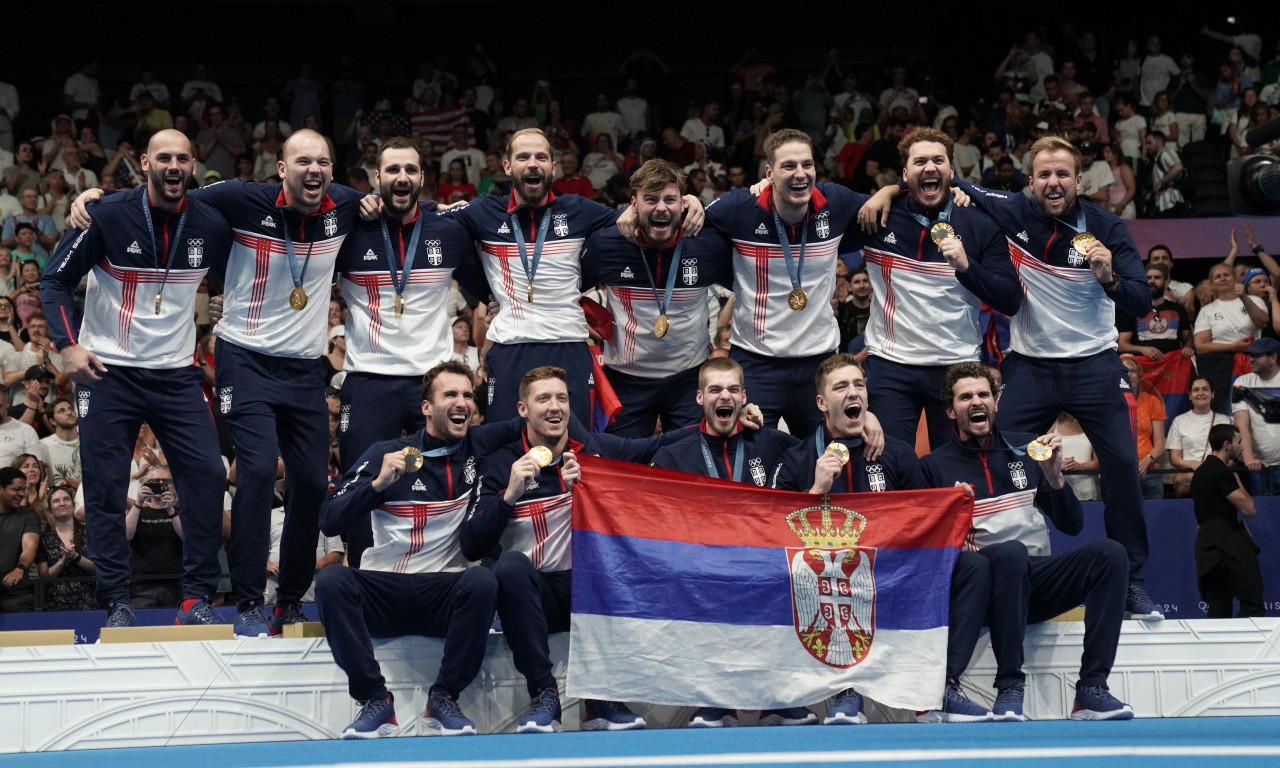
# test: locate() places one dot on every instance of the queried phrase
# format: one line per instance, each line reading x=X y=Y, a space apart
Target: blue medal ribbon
x=711 y=464
x=795 y=267
x=298 y=275
x=530 y=265
x=155 y=249
x=945 y=215
x=399 y=282
x=665 y=301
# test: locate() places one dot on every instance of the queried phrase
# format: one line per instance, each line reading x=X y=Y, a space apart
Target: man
x=1260 y=440
x=1096 y=177
x=1177 y=290
x=46 y=230
x=571 y=182
x=1063 y=339
x=16 y=437
x=1155 y=71
x=932 y=268
x=23 y=174
x=19 y=537
x=145 y=256
x=1188 y=438
x=460 y=148
x=219 y=144
x=704 y=130
x=63 y=446
x=1165 y=328
x=415 y=581
x=1226 y=555
x=395 y=277
x=603 y=120
x=35 y=382
x=1166 y=169
x=657 y=296
x=1012 y=491
x=854 y=312
x=785 y=247
x=737 y=177
x=522 y=511
x=678 y=149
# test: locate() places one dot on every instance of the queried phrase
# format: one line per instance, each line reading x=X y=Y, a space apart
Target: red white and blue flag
x=694 y=591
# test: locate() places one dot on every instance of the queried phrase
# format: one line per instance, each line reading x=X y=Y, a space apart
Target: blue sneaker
x=377 y=718
x=788 y=716
x=610 y=716
x=197 y=610
x=1138 y=604
x=846 y=709
x=544 y=713
x=1008 y=706
x=713 y=717
x=119 y=615
x=445 y=716
x=285 y=613
x=955 y=709
x=252 y=622
x=1093 y=702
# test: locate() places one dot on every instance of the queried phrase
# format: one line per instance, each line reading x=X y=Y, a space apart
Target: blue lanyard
x=711 y=464
x=298 y=276
x=444 y=450
x=400 y=282
x=665 y=301
x=944 y=216
x=1080 y=223
x=155 y=249
x=795 y=267
x=531 y=266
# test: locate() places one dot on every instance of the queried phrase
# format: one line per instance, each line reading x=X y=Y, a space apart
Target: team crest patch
x=1018 y=475
x=224 y=400
x=833 y=589
x=1074 y=257
x=469 y=471
x=822 y=224
x=195 y=251
x=689 y=271
x=344 y=419
x=82 y=402
x=560 y=223
x=875 y=477
x=756 y=467
x=331 y=223
x=434 y=253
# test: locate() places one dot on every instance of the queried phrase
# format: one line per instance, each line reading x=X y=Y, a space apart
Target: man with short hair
x=704 y=130
x=1226 y=555
x=1014 y=490
x=1260 y=439
x=19 y=537
x=460 y=148
x=35 y=383
x=46 y=230
x=63 y=446
x=1095 y=177
x=220 y=143
x=571 y=182
x=604 y=120
x=38 y=351
x=23 y=174
x=16 y=438
x=1166 y=169
x=1165 y=328
x=1161 y=254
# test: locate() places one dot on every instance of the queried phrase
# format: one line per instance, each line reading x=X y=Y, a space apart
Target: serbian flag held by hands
x=694 y=591
x=1170 y=376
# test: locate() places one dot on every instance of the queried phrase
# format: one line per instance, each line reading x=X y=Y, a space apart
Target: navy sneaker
x=544 y=713
x=445 y=716
x=846 y=709
x=1139 y=605
x=119 y=615
x=1093 y=702
x=252 y=622
x=955 y=709
x=1008 y=706
x=197 y=610
x=610 y=716
x=285 y=613
x=788 y=716
x=377 y=718
x=713 y=717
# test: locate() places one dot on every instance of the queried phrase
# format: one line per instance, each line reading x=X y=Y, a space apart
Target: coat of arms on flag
x=833 y=585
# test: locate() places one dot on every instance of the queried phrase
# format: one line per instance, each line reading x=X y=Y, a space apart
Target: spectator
x=1078 y=457
x=678 y=149
x=571 y=182
x=37 y=497
x=1237 y=130
x=1177 y=290
x=60 y=557
x=1228 y=91
x=1191 y=93
x=604 y=163
x=46 y=232
x=37 y=351
x=605 y=120
x=558 y=128
x=494 y=180
x=634 y=109
x=1261 y=440
x=336 y=355
x=1151 y=418
x=122 y=170
x=19 y=541
x=10 y=329
x=23 y=174
x=456 y=186
x=329 y=551
x=219 y=144
x=267 y=151
x=1155 y=70
x=463 y=350
x=1123 y=185
x=63 y=446
x=704 y=129
x=77 y=178
x=1166 y=169
x=1096 y=177
x=460 y=149
x=24 y=252
x=1226 y=555
x=1188 y=438
x=1164 y=120
x=1166 y=328
x=154 y=529
x=35 y=384
x=305 y=95
x=199 y=93
x=54 y=200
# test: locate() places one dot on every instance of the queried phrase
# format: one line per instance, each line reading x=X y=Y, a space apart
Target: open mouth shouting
x=979 y=418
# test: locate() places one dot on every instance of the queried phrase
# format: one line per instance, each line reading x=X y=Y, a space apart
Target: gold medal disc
x=530 y=293
x=158 y=303
x=399 y=305
x=839 y=449
x=661 y=325
x=1082 y=242
x=298 y=299
x=797 y=299
x=940 y=231
x=541 y=454
x=1039 y=451
x=412 y=460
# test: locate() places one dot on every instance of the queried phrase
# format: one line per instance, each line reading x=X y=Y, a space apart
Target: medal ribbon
x=665 y=301
x=820 y=442
x=531 y=265
x=795 y=268
x=1080 y=223
x=945 y=215
x=155 y=249
x=711 y=464
x=399 y=283
x=298 y=276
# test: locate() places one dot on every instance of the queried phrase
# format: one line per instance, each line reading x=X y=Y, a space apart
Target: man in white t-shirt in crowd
x=63 y=446
x=1096 y=178
x=1188 y=438
x=1175 y=289
x=16 y=438
x=1261 y=438
x=1155 y=70
x=703 y=129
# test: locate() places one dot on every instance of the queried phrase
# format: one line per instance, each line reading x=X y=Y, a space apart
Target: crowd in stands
x=1136 y=117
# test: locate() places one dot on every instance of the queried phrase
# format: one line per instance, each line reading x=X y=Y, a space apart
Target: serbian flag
x=693 y=591
x=604 y=401
x=1170 y=377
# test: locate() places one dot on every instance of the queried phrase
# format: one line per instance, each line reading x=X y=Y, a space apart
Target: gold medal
x=541 y=454
x=839 y=449
x=530 y=293
x=940 y=231
x=661 y=325
x=1082 y=242
x=412 y=460
x=157 y=302
x=797 y=299
x=399 y=305
x=298 y=299
x=1039 y=451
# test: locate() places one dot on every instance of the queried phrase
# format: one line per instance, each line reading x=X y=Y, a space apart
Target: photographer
x=154 y=529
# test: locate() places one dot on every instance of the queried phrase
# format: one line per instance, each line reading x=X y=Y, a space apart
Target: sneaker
x=544 y=713
x=1008 y=706
x=285 y=613
x=445 y=716
x=788 y=716
x=955 y=709
x=846 y=710
x=1093 y=702
x=197 y=611
x=119 y=615
x=1139 y=604
x=610 y=716
x=377 y=718
x=252 y=622
x=713 y=717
